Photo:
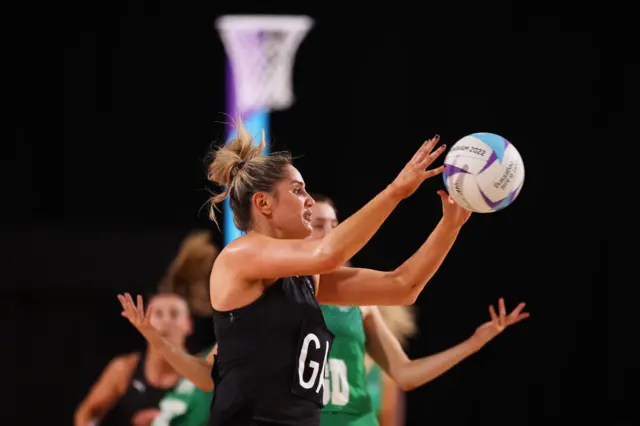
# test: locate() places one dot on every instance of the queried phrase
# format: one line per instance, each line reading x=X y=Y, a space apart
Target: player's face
x=292 y=206
x=171 y=317
x=323 y=219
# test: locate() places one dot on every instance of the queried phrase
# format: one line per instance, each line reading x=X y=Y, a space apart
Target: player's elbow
x=406 y=291
x=410 y=298
x=407 y=385
x=405 y=380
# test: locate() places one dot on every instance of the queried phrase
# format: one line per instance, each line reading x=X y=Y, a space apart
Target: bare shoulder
x=239 y=250
x=231 y=250
x=123 y=365
x=231 y=256
x=245 y=243
x=120 y=369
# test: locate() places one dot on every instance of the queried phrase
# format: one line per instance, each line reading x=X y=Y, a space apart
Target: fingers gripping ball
x=484 y=173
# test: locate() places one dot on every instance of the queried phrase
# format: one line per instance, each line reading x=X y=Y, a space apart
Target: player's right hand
x=136 y=315
x=415 y=172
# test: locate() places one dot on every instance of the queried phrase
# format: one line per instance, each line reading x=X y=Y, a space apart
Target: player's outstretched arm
x=261 y=257
x=358 y=286
x=194 y=368
x=107 y=391
x=387 y=352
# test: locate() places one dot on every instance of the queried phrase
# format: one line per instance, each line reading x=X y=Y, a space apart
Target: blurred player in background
x=185 y=288
x=130 y=388
x=387 y=400
x=367 y=364
x=188 y=276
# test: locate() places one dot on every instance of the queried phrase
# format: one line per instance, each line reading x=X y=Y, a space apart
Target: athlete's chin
x=308 y=228
x=304 y=231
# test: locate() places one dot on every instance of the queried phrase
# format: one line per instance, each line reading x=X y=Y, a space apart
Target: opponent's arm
x=106 y=391
x=194 y=368
x=263 y=257
x=387 y=352
x=391 y=410
x=358 y=286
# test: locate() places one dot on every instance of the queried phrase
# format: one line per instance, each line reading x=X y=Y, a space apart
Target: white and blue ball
x=484 y=173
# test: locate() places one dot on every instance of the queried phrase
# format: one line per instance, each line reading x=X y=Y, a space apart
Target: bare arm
x=264 y=257
x=106 y=391
x=387 y=352
x=391 y=410
x=261 y=257
x=357 y=286
x=196 y=369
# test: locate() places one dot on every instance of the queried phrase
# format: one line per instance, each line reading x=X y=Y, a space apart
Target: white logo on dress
x=138 y=385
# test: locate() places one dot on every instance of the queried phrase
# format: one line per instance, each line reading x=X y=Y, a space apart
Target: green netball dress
x=347 y=402
x=186 y=405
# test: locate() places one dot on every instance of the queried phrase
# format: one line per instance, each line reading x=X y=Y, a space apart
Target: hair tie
x=240 y=165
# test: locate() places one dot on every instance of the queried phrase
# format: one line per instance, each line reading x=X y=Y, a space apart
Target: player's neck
x=265 y=229
x=261 y=227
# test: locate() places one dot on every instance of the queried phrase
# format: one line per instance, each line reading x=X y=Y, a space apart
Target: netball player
x=188 y=276
x=186 y=404
x=352 y=398
x=273 y=341
x=387 y=399
x=131 y=386
x=188 y=273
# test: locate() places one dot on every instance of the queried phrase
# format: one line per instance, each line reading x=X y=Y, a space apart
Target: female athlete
x=188 y=276
x=387 y=399
x=265 y=285
x=363 y=331
x=130 y=388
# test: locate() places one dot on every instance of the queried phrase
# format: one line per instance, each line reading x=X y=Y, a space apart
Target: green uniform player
x=185 y=405
x=365 y=330
x=346 y=399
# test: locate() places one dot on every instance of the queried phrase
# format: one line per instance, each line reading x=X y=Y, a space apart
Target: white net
x=261 y=50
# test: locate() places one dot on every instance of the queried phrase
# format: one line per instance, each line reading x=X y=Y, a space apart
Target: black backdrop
x=101 y=205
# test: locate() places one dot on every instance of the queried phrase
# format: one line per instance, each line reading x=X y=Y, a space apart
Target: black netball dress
x=271 y=358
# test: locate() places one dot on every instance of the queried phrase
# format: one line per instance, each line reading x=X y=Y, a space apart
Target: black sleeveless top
x=271 y=358
x=140 y=395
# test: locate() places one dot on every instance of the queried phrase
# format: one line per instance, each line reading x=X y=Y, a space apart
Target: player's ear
x=263 y=202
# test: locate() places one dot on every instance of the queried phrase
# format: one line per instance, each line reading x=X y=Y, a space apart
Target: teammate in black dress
x=265 y=285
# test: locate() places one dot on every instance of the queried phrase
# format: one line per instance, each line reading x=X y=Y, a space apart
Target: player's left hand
x=452 y=213
x=145 y=417
x=137 y=317
x=487 y=331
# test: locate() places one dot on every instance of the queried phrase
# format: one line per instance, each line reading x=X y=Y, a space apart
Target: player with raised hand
x=266 y=285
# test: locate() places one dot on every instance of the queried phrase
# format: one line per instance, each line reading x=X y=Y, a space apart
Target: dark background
x=98 y=201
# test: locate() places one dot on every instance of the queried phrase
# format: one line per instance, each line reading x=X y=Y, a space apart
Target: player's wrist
x=394 y=193
x=450 y=226
x=153 y=337
x=473 y=344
